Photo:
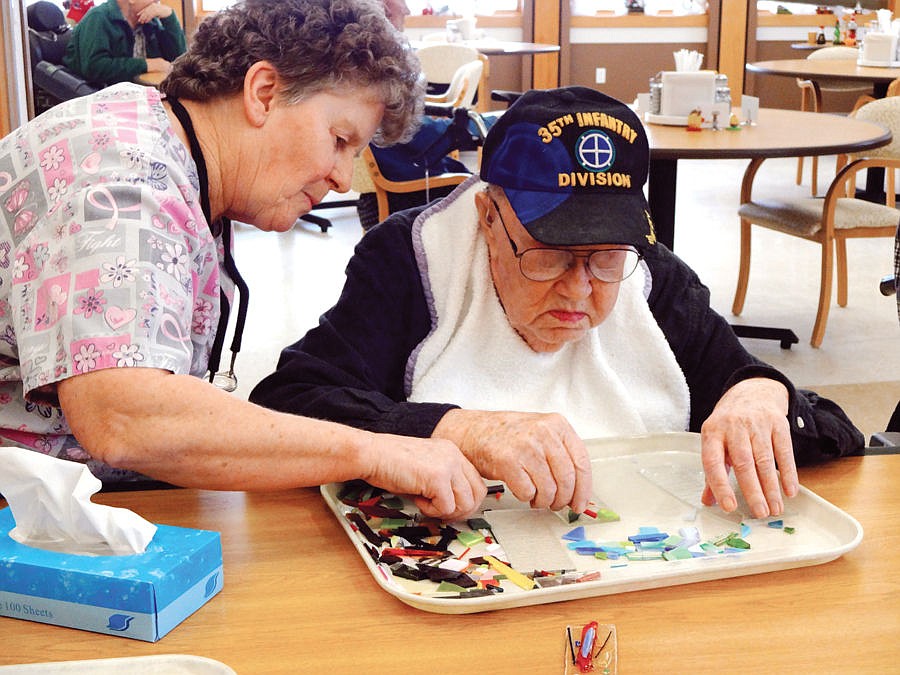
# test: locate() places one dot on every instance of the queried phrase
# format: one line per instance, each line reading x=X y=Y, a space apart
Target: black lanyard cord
x=223 y=225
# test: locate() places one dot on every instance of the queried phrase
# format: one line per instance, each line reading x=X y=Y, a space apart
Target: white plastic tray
x=654 y=481
x=170 y=664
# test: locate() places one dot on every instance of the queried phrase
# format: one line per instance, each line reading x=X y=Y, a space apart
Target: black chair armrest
x=505 y=96
x=61 y=83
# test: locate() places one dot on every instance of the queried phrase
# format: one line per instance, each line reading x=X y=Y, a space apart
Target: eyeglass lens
x=611 y=266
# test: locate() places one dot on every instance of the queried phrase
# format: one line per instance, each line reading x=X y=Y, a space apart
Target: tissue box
x=138 y=596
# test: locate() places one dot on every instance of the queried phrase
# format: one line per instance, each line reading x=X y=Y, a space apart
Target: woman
x=115 y=248
x=121 y=39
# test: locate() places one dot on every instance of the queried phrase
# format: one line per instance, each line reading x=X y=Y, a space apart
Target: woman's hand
x=445 y=483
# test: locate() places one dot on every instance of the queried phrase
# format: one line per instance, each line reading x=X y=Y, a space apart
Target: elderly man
x=533 y=308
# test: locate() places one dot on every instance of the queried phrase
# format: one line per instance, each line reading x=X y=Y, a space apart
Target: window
x=464 y=7
x=215 y=5
x=455 y=7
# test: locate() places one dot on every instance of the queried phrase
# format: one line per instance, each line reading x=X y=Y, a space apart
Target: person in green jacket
x=121 y=39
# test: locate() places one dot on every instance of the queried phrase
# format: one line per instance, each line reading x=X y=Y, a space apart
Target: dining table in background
x=491 y=48
x=510 y=47
x=776 y=133
x=297 y=597
x=845 y=70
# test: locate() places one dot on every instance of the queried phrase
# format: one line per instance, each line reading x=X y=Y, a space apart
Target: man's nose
x=576 y=281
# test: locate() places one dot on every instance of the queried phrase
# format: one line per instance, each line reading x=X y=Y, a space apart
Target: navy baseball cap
x=573 y=163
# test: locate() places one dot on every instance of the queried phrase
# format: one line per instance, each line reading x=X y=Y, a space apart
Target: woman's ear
x=260 y=92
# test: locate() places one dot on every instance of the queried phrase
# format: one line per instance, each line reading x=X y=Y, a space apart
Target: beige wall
x=728 y=25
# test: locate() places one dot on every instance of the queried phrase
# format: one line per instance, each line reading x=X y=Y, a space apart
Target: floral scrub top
x=106 y=259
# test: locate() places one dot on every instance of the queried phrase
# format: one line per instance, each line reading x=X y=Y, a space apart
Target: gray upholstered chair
x=829 y=221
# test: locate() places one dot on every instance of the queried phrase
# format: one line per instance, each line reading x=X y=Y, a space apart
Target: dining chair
x=441 y=62
x=395 y=195
x=893 y=89
x=831 y=221
x=463 y=87
x=811 y=98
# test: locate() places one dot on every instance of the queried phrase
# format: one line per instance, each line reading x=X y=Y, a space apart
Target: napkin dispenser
x=674 y=95
x=879 y=48
x=682 y=92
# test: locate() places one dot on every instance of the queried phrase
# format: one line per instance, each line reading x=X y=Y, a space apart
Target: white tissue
x=884 y=19
x=687 y=60
x=50 y=500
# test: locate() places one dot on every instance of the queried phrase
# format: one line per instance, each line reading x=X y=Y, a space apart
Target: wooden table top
x=297 y=598
x=815 y=69
x=150 y=79
x=777 y=133
x=502 y=47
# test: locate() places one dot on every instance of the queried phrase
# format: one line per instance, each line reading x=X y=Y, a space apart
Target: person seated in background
x=117 y=274
x=396 y=12
x=121 y=39
x=533 y=308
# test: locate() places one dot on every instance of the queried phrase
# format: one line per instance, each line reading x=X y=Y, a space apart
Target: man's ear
x=260 y=92
x=485 y=213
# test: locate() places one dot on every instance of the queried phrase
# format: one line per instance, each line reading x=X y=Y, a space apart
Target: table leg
x=661 y=197
x=874 y=190
x=661 y=185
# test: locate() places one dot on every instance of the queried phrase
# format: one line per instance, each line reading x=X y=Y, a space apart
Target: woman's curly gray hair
x=315 y=45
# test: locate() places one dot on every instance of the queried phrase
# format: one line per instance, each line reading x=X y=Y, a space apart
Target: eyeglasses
x=610 y=265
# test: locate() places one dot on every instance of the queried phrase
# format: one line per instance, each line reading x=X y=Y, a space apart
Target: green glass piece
x=470 y=538
x=677 y=554
x=392 y=523
x=789 y=530
x=607 y=516
x=446 y=586
x=478 y=524
x=644 y=555
x=392 y=503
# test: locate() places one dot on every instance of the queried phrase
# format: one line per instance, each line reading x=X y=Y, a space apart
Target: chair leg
x=818 y=332
x=740 y=292
x=840 y=259
x=814 y=176
x=800 y=170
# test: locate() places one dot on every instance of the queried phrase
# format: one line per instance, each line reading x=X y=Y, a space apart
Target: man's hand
x=444 y=482
x=749 y=432
x=539 y=456
x=155 y=10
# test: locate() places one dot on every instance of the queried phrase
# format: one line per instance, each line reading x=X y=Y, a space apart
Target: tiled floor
x=295 y=276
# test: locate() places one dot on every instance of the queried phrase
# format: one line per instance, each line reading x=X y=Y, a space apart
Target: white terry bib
x=620 y=379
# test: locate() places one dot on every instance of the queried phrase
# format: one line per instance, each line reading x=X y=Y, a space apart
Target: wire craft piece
x=594 y=650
